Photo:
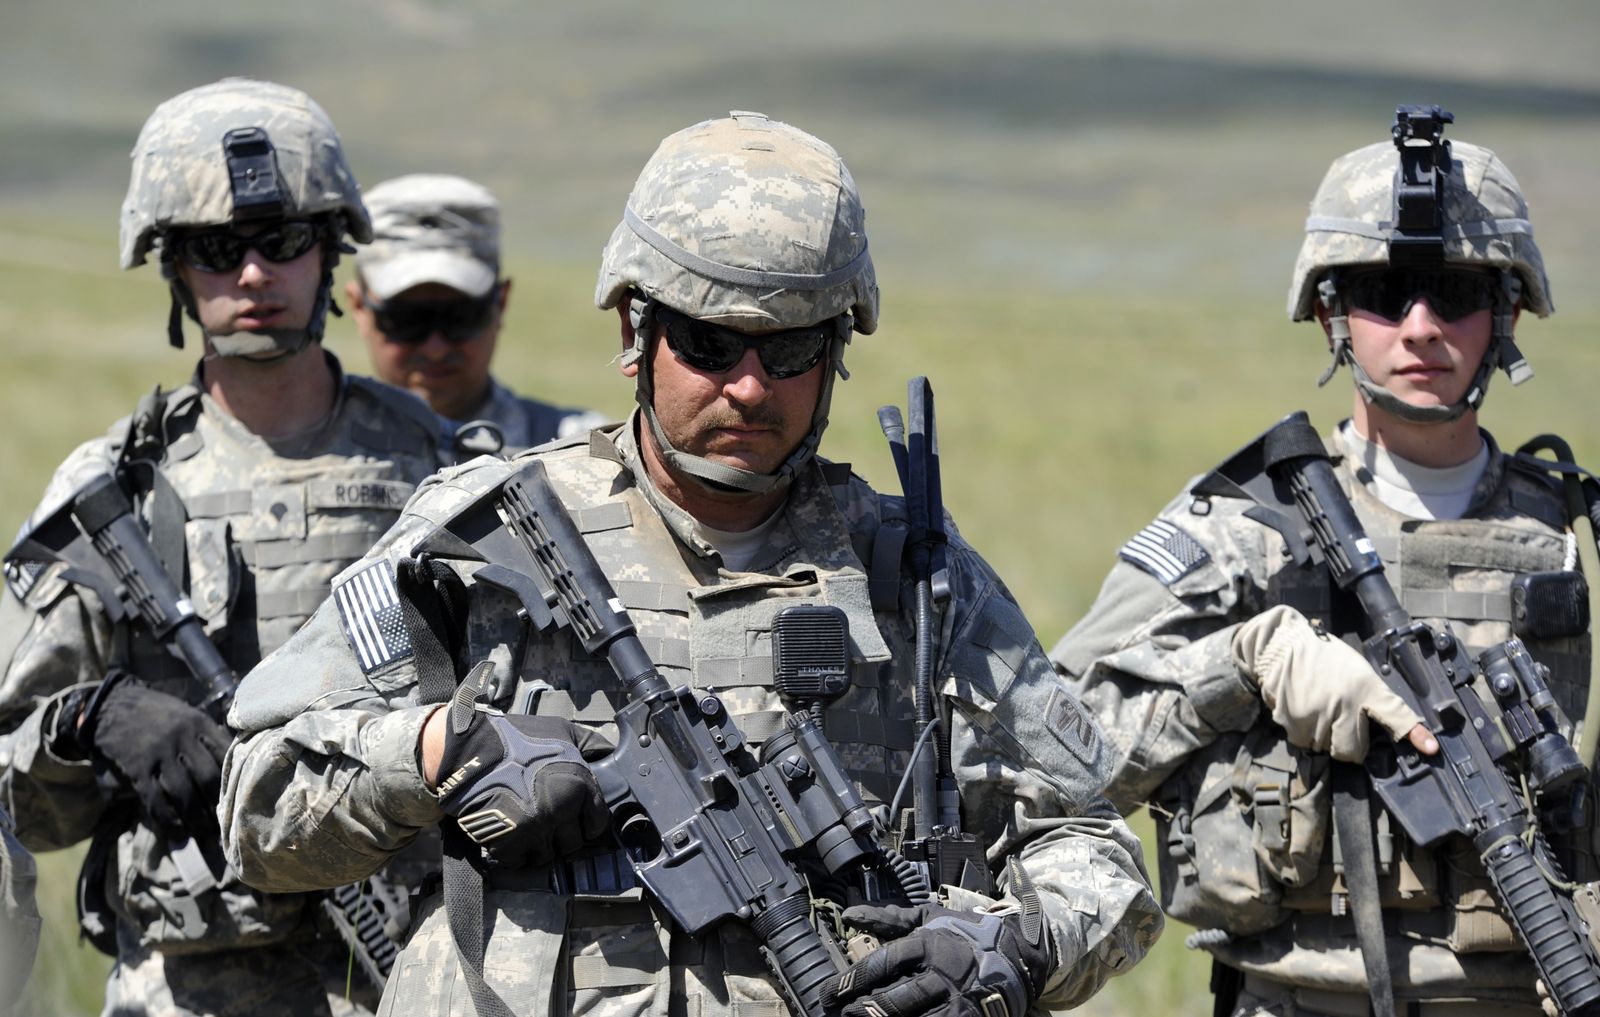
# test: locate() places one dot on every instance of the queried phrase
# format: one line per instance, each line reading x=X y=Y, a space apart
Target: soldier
x=1209 y=656
x=738 y=274
x=429 y=300
x=258 y=480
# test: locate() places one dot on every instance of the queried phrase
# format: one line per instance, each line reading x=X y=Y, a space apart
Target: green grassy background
x=1083 y=217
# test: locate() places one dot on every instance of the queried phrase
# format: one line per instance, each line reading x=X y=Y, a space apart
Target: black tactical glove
x=168 y=753
x=939 y=961
x=520 y=786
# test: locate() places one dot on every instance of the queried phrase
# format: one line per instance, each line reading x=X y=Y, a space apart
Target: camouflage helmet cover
x=1486 y=222
x=180 y=174
x=746 y=222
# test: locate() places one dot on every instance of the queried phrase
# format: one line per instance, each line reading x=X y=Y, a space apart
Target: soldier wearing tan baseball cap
x=429 y=299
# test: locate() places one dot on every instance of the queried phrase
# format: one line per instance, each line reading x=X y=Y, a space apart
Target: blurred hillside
x=1083 y=217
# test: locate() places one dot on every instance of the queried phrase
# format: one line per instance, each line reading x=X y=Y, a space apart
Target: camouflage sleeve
x=19 y=915
x=322 y=784
x=53 y=638
x=1152 y=658
x=1032 y=763
x=53 y=641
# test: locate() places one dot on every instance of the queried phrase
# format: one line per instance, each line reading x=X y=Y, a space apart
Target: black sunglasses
x=223 y=250
x=707 y=347
x=1451 y=293
x=412 y=321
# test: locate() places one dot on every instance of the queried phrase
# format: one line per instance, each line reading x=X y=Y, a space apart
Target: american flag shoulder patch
x=1164 y=551
x=369 y=608
x=22 y=575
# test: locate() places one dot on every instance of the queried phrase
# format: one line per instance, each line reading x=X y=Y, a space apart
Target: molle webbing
x=613 y=515
x=756 y=672
x=645 y=596
x=217 y=504
x=290 y=603
x=269 y=554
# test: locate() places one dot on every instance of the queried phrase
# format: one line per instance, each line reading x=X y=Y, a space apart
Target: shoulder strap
x=139 y=462
x=887 y=555
x=428 y=599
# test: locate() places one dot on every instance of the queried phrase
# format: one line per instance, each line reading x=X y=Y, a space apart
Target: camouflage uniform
x=19 y=916
x=1152 y=660
x=267 y=526
x=436 y=228
x=257 y=528
x=1244 y=832
x=324 y=782
x=525 y=422
x=323 y=785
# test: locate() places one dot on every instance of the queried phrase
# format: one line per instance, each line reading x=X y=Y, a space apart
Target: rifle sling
x=463 y=881
x=1352 y=818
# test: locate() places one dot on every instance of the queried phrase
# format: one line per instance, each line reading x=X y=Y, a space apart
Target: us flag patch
x=21 y=575
x=1164 y=551
x=369 y=607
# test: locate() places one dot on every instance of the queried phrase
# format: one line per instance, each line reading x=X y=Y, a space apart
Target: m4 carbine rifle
x=95 y=534
x=715 y=832
x=1499 y=762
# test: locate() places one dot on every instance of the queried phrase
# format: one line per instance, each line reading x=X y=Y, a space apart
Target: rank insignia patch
x=369 y=608
x=1164 y=551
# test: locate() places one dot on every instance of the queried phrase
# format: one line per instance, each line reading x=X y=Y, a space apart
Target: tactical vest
x=263 y=535
x=1246 y=824
x=710 y=629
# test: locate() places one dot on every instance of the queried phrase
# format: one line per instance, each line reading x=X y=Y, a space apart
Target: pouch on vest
x=1287 y=790
x=1211 y=874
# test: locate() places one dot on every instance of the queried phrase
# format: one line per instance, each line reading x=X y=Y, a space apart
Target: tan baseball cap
x=431 y=228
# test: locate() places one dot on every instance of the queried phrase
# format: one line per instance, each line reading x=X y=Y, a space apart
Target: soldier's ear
x=628 y=368
x=355 y=294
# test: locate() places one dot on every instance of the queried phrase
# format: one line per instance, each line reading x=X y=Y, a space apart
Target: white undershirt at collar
x=738 y=548
x=1421 y=492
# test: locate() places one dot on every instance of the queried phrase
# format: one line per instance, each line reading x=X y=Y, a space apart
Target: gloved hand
x=938 y=961
x=1320 y=689
x=168 y=753
x=520 y=786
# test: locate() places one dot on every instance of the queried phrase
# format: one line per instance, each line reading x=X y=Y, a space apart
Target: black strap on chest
x=1352 y=821
x=434 y=604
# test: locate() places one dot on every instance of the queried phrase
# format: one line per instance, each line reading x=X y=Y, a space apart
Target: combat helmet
x=237 y=151
x=1421 y=201
x=752 y=224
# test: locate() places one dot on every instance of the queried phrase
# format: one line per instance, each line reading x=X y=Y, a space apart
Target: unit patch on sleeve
x=1164 y=551
x=369 y=608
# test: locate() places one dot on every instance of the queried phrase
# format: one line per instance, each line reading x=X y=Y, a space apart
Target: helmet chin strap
x=1502 y=352
x=282 y=341
x=715 y=477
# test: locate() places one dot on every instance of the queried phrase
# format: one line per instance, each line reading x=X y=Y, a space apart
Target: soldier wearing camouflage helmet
x=1214 y=661
x=739 y=271
x=429 y=298
x=258 y=481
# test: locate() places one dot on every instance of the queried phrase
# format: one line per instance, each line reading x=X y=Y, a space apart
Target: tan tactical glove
x=1320 y=690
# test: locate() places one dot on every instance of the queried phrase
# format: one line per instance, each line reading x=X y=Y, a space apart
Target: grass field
x=1083 y=219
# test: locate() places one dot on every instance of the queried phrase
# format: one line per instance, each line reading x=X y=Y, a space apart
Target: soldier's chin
x=259 y=347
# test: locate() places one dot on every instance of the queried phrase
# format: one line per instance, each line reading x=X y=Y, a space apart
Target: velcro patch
x=1073 y=725
x=369 y=609
x=1164 y=551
